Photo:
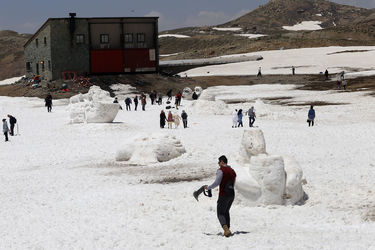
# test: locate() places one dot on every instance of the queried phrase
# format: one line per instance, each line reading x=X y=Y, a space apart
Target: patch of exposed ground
x=160 y=83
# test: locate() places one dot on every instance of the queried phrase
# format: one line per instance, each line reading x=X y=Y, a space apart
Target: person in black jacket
x=48 y=101
x=163 y=118
x=135 y=102
x=184 y=117
x=12 y=122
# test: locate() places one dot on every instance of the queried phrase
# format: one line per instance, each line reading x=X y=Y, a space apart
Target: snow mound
x=174 y=35
x=94 y=107
x=151 y=149
x=305 y=25
x=187 y=92
x=266 y=179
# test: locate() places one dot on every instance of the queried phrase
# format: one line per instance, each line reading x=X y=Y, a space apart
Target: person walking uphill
x=12 y=122
x=48 y=103
x=311 y=116
x=5 y=129
x=225 y=179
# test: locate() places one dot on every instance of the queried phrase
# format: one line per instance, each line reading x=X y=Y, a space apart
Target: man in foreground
x=225 y=177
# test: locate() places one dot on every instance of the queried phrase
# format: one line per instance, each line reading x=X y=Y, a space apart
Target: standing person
x=169 y=94
x=184 y=117
x=160 y=99
x=293 y=70
x=176 y=101
x=234 y=119
x=163 y=118
x=152 y=97
x=344 y=84
x=179 y=98
x=48 y=102
x=135 y=102
x=252 y=116
x=225 y=179
x=311 y=116
x=239 y=115
x=326 y=74
x=128 y=101
x=5 y=129
x=12 y=122
x=176 y=120
x=170 y=119
x=259 y=72
x=143 y=101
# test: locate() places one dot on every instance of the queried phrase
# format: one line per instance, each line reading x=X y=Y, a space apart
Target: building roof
x=68 y=18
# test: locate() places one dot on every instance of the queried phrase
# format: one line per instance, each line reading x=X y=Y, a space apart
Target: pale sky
x=26 y=16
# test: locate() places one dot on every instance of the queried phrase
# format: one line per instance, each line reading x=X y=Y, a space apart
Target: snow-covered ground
x=174 y=35
x=227 y=29
x=251 y=36
x=10 y=80
x=356 y=60
x=61 y=187
x=305 y=25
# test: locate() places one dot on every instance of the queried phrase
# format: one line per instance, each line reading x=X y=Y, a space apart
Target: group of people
x=173 y=119
x=6 y=130
x=237 y=117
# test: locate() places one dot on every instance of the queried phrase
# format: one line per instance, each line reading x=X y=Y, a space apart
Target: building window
x=28 y=66
x=104 y=38
x=141 y=40
x=36 y=42
x=42 y=63
x=45 y=41
x=49 y=65
x=128 y=39
x=80 y=39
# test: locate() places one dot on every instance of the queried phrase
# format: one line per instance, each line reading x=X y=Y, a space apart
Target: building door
x=37 y=68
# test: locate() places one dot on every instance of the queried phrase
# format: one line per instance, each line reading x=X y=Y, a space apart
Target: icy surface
x=10 y=80
x=61 y=187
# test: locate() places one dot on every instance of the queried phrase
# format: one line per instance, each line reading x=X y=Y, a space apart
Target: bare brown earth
x=148 y=82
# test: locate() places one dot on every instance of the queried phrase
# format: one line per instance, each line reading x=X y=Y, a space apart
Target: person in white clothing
x=234 y=118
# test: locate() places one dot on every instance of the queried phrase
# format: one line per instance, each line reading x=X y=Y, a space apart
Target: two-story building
x=93 y=46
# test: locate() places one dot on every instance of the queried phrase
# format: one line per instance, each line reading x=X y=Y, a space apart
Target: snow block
x=252 y=143
x=94 y=107
x=268 y=171
x=293 y=186
x=151 y=149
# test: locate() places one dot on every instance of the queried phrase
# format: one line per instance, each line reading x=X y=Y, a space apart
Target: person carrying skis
x=12 y=122
x=225 y=179
x=5 y=129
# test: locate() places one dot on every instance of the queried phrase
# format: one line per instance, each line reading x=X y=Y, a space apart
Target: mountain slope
x=11 y=54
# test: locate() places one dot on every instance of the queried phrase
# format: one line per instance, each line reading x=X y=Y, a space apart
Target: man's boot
x=227 y=232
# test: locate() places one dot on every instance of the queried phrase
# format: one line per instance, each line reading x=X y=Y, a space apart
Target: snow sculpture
x=94 y=107
x=151 y=149
x=187 y=93
x=266 y=179
x=198 y=90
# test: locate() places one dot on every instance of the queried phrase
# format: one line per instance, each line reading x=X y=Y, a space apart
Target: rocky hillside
x=11 y=54
x=341 y=25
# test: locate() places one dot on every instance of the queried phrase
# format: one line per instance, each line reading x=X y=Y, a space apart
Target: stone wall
x=38 y=55
x=67 y=54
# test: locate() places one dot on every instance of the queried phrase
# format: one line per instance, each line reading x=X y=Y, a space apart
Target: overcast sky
x=26 y=16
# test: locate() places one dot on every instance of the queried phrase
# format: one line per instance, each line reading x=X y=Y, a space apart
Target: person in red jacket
x=225 y=179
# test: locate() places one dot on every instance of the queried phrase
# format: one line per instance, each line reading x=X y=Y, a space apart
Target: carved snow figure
x=94 y=107
x=266 y=179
